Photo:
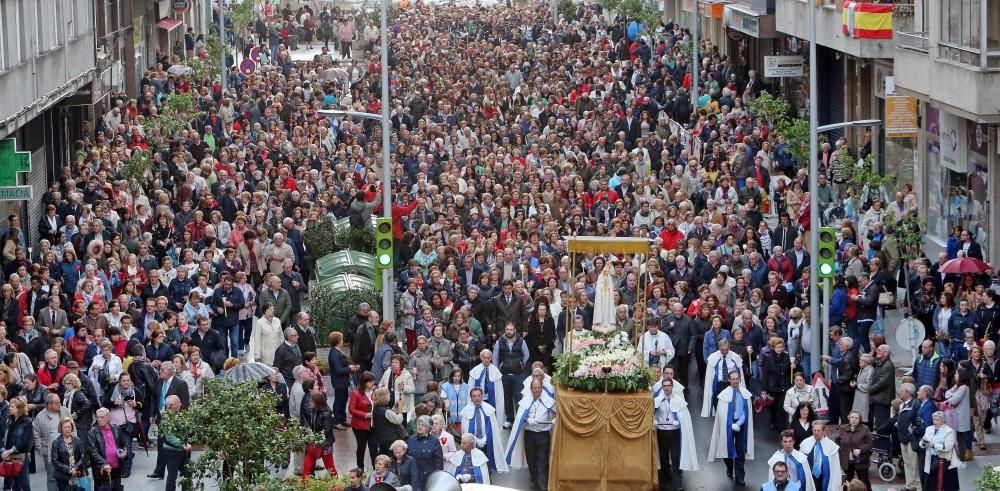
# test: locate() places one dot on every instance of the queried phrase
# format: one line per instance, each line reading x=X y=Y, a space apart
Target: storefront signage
x=954 y=148
x=745 y=22
x=15 y=193
x=782 y=66
x=901 y=117
x=11 y=163
x=181 y=6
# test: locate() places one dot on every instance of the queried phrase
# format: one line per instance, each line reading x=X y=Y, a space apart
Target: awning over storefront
x=713 y=8
x=168 y=24
x=742 y=19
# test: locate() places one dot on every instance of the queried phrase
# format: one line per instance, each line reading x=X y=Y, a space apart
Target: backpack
x=356 y=221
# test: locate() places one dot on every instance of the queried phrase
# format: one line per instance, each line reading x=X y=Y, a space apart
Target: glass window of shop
x=956 y=176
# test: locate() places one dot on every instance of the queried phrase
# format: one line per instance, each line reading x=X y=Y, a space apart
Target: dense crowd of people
x=510 y=133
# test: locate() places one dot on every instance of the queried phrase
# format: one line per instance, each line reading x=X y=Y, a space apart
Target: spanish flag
x=867 y=20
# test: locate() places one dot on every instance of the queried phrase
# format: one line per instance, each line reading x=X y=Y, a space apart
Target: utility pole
x=222 y=41
x=694 y=57
x=388 y=288
x=818 y=335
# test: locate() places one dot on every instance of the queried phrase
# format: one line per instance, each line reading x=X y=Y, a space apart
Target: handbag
x=84 y=483
x=11 y=467
x=886 y=298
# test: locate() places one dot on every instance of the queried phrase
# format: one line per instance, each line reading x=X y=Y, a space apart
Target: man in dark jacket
x=905 y=421
x=363 y=348
x=213 y=347
x=227 y=302
x=288 y=355
x=307 y=334
x=681 y=332
x=881 y=388
x=867 y=304
x=106 y=464
x=356 y=321
x=847 y=370
x=507 y=308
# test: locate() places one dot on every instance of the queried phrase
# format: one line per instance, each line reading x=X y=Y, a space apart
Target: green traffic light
x=385 y=260
x=825 y=269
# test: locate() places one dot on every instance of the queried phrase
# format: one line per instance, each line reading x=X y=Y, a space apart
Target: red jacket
x=670 y=239
x=359 y=406
x=783 y=266
x=77 y=348
x=398 y=212
x=45 y=378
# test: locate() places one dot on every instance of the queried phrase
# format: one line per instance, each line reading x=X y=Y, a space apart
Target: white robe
x=479 y=379
x=689 y=446
x=547 y=388
x=604 y=303
x=657 y=388
x=832 y=452
x=514 y=454
x=490 y=417
x=779 y=456
x=478 y=459
x=718 y=447
x=712 y=364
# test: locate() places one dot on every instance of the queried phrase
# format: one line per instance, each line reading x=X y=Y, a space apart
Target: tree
x=636 y=10
x=239 y=425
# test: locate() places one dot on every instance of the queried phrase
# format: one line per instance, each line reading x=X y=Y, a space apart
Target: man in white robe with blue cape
x=667 y=374
x=732 y=435
x=480 y=419
x=470 y=463
x=530 y=440
x=538 y=373
x=799 y=471
x=487 y=377
x=676 y=445
x=718 y=366
x=824 y=459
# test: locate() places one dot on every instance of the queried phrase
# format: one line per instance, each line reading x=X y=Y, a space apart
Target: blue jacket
x=708 y=346
x=340 y=369
x=427 y=458
x=406 y=471
x=70 y=275
x=838 y=305
x=925 y=370
x=959 y=323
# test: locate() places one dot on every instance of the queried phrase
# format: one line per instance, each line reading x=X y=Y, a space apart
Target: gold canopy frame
x=607 y=245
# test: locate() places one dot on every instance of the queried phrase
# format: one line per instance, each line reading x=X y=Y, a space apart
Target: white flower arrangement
x=595 y=352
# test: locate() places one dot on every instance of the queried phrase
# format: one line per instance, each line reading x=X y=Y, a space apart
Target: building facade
x=946 y=55
x=47 y=67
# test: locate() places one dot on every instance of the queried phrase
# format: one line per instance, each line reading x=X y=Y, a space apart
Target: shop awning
x=169 y=24
x=744 y=19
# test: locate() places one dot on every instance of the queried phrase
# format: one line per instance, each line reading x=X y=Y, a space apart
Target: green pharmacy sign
x=11 y=163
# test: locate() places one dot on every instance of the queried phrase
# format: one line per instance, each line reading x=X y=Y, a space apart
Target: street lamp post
x=222 y=42
x=694 y=57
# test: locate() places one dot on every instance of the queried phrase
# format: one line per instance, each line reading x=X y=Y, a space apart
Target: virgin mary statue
x=604 y=303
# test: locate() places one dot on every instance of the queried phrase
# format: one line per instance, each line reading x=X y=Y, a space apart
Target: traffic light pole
x=827 y=294
x=388 y=288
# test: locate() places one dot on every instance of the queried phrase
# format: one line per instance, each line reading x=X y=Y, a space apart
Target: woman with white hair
x=448 y=446
x=940 y=469
x=861 y=384
x=469 y=463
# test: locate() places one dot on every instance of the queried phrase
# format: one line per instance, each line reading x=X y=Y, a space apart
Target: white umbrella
x=179 y=70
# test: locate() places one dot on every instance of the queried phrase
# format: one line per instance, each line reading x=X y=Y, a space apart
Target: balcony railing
x=916 y=41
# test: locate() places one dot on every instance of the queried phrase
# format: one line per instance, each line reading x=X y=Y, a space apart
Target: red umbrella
x=963 y=265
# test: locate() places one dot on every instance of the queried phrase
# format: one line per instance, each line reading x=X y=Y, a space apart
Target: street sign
x=12 y=162
x=782 y=66
x=248 y=66
x=901 y=119
x=181 y=6
x=15 y=193
x=255 y=54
